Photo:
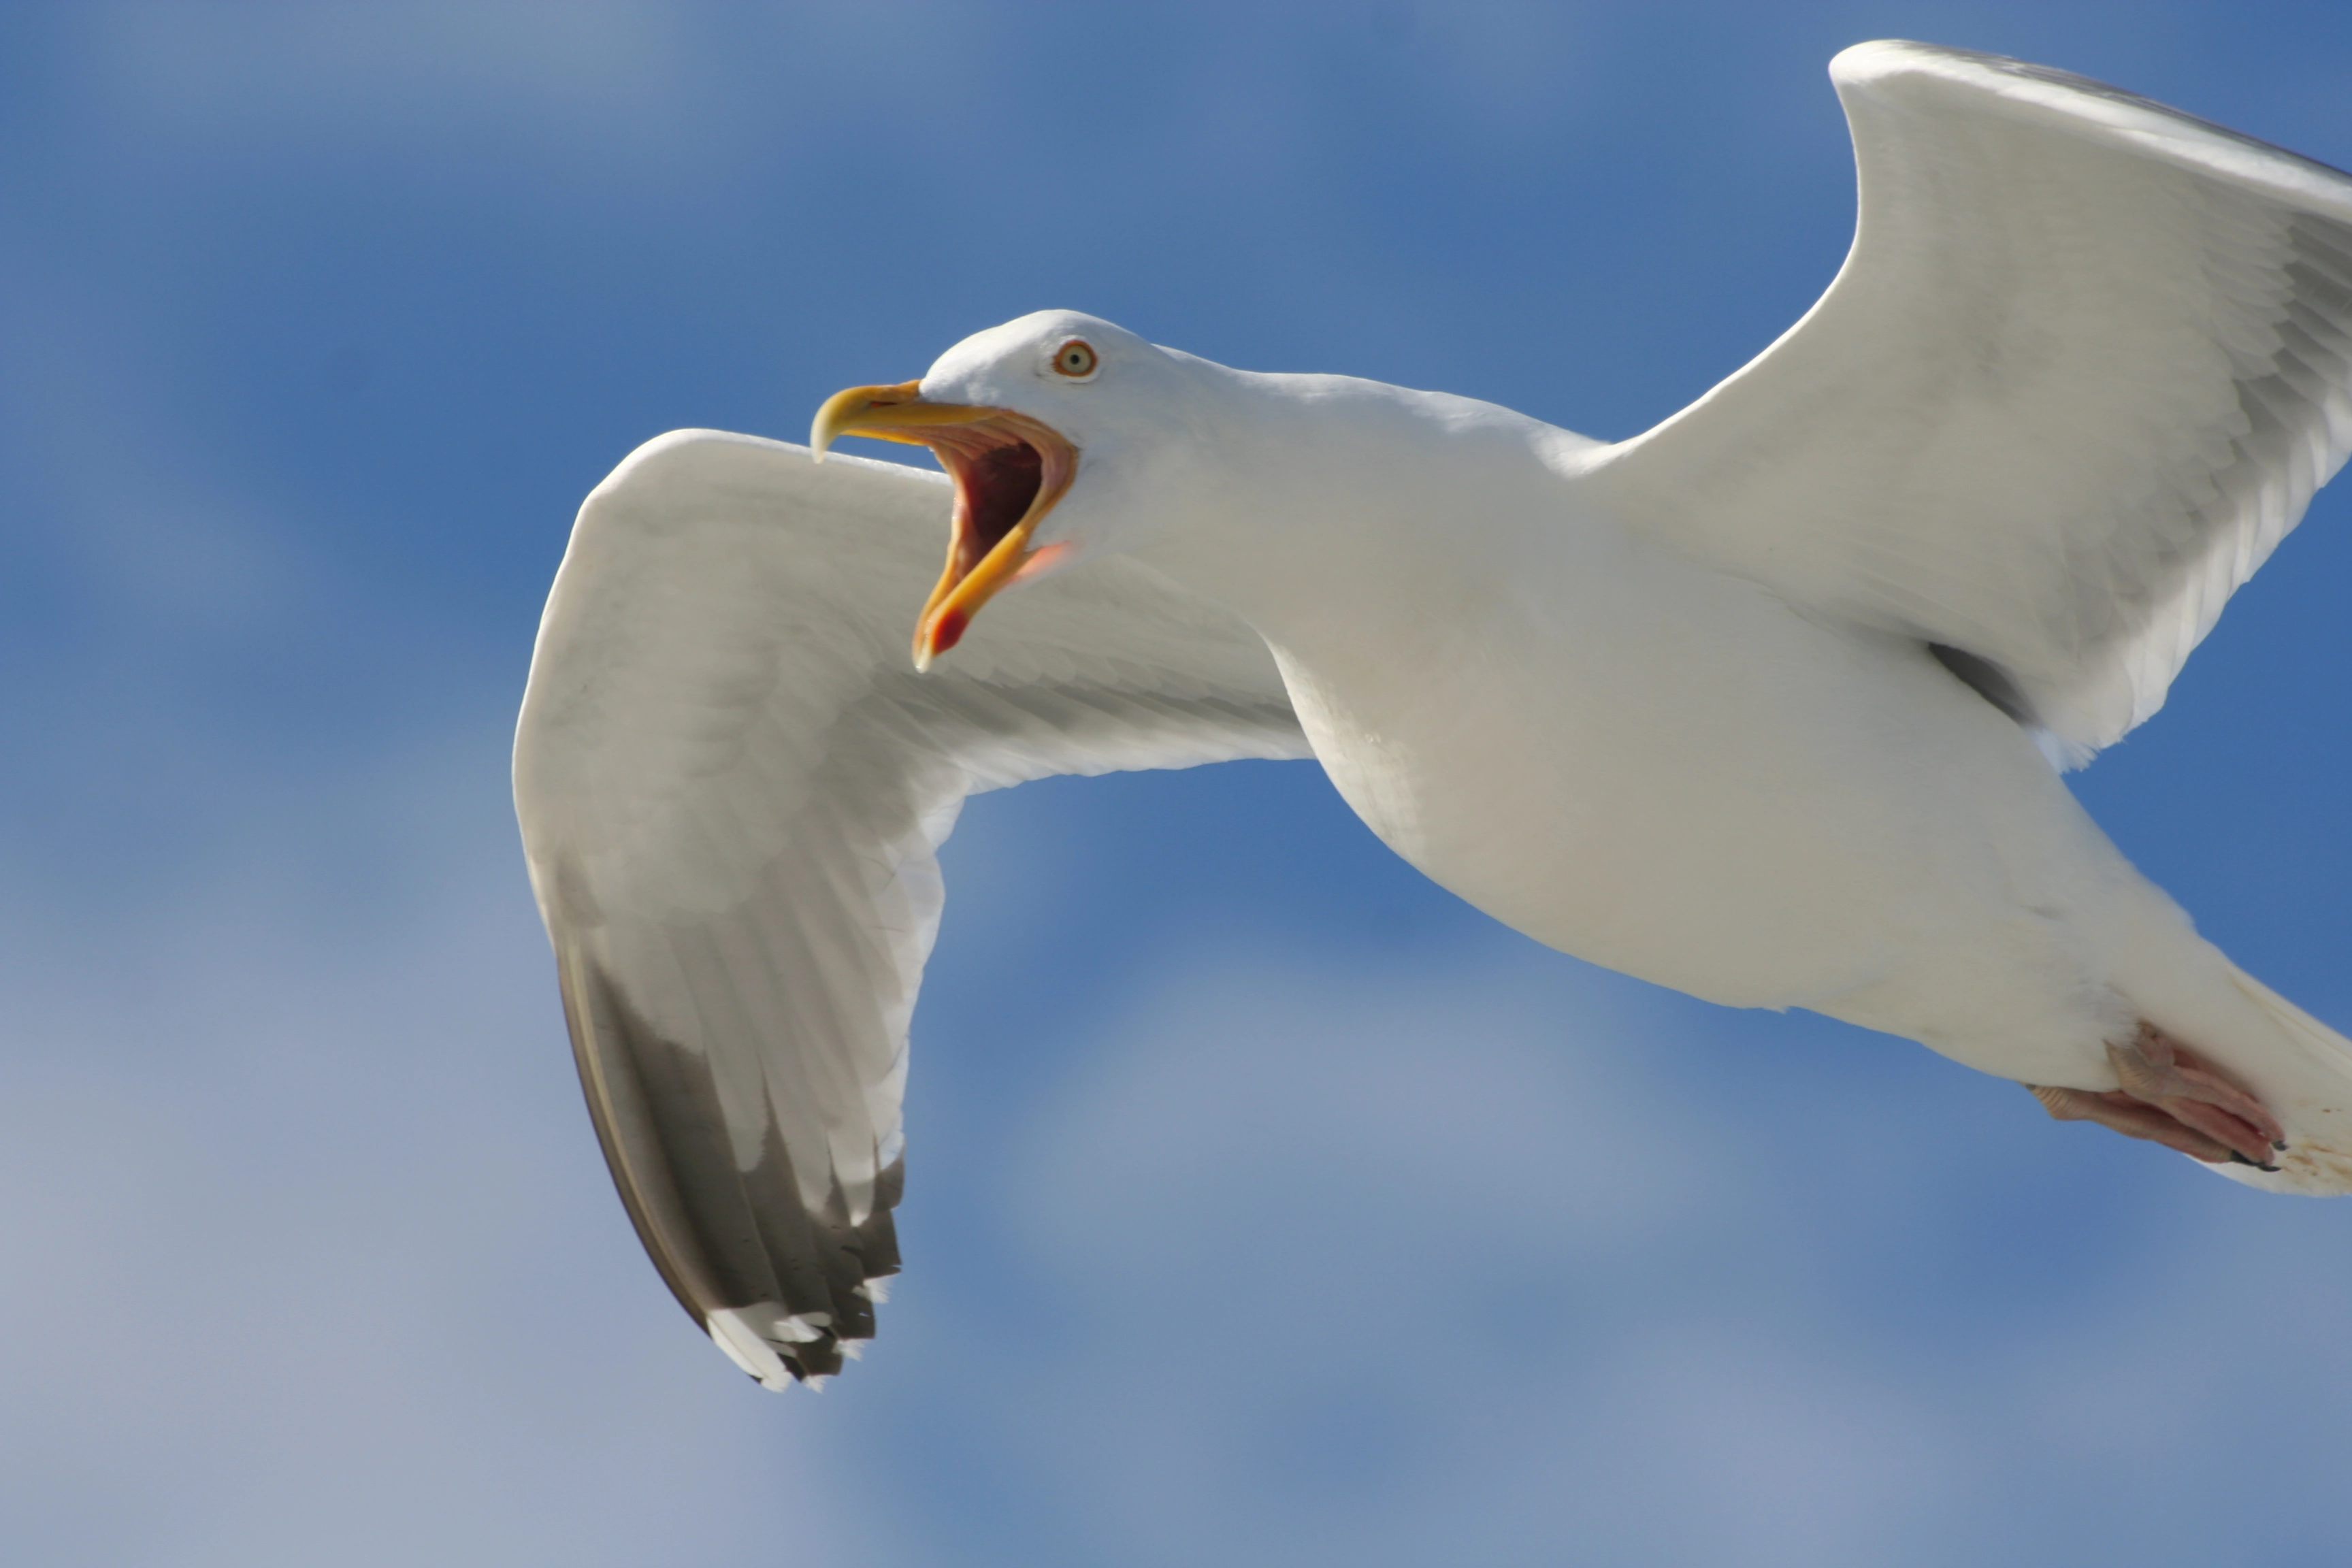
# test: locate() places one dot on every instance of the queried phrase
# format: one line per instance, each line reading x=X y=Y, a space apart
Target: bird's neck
x=1331 y=512
x=1424 y=569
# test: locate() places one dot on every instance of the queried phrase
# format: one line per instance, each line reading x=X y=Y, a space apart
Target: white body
x=1691 y=706
x=1655 y=765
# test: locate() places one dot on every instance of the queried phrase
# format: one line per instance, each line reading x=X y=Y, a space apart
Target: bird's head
x=1015 y=413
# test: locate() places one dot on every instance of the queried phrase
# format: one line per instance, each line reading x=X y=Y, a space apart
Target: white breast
x=1674 y=773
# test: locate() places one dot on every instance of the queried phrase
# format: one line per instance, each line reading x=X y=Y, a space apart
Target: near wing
x=2083 y=369
x=731 y=784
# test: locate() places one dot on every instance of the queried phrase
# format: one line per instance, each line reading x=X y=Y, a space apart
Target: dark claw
x=2238 y=1159
x=2279 y=1144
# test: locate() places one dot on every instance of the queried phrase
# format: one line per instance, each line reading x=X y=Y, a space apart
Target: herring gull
x=1769 y=704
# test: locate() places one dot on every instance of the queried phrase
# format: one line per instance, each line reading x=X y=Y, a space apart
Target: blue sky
x=315 y=324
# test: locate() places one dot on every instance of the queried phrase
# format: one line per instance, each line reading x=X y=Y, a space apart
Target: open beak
x=1008 y=469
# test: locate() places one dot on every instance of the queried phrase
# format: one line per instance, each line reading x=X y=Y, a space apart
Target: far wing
x=731 y=784
x=2083 y=368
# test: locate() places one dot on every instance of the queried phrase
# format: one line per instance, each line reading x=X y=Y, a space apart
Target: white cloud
x=1391 y=1254
x=1467 y=1257
x=309 y=1251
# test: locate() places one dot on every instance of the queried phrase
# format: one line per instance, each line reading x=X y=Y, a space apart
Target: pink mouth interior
x=997 y=475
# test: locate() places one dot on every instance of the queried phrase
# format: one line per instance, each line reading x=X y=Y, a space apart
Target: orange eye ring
x=1076 y=358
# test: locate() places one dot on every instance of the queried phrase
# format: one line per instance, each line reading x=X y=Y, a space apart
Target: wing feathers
x=732 y=789
x=2084 y=367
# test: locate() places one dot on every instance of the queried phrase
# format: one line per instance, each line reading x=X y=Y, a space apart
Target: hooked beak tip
x=839 y=415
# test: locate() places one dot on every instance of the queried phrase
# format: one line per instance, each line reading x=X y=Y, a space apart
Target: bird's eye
x=1075 y=357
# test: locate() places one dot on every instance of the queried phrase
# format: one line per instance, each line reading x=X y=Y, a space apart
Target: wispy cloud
x=1265 y=1205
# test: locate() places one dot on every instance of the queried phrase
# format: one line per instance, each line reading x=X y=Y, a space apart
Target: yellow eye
x=1075 y=357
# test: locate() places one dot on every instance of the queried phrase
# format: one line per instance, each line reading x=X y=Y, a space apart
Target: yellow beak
x=884 y=413
x=1009 y=471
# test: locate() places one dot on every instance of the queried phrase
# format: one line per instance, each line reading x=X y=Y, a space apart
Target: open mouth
x=1008 y=469
x=997 y=477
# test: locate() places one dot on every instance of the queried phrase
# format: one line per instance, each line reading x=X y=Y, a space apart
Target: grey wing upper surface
x=732 y=785
x=2082 y=370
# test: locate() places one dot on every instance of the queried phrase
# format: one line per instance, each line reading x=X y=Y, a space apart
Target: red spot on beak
x=947 y=630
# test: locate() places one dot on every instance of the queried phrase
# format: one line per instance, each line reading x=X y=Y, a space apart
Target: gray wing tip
x=782 y=1288
x=778 y=1345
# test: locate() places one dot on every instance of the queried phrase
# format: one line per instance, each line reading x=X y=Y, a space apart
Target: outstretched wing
x=732 y=785
x=2083 y=369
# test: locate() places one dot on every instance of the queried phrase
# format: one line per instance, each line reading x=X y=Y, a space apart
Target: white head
x=1058 y=429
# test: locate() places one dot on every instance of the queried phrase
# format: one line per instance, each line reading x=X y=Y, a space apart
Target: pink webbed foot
x=2169 y=1095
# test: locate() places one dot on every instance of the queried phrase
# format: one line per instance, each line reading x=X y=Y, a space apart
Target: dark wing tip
x=778 y=1286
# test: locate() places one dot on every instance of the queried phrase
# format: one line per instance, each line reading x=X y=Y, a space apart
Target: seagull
x=1769 y=704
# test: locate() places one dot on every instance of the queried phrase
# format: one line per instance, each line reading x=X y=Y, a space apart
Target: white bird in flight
x=1767 y=704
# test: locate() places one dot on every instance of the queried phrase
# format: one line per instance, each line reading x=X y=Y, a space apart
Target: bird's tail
x=2308 y=1087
